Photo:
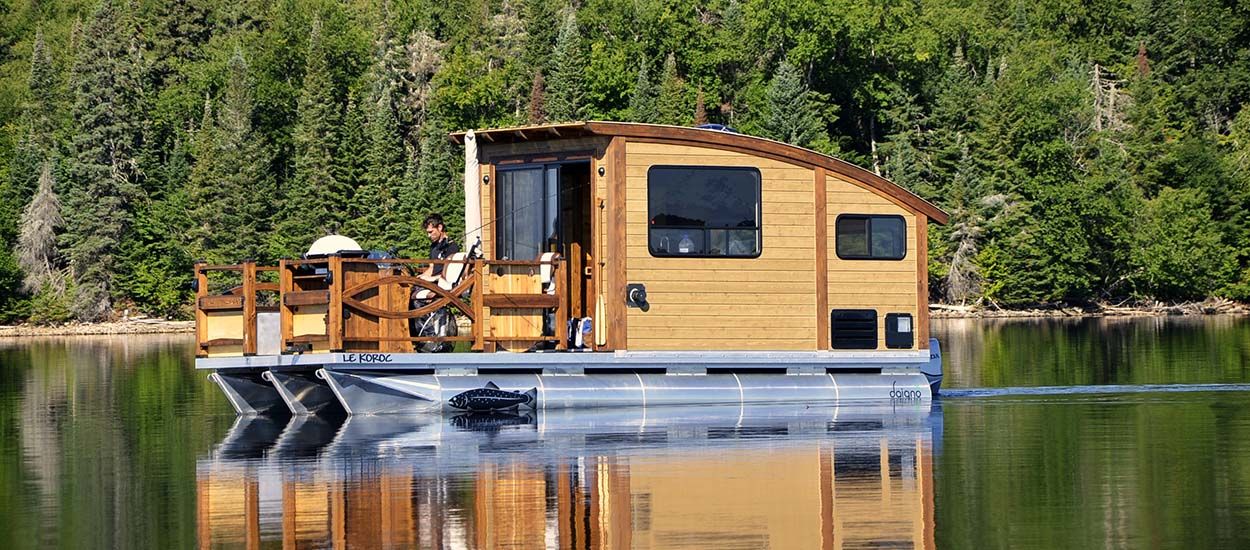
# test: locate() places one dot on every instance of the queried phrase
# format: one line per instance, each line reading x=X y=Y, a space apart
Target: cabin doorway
x=547 y=208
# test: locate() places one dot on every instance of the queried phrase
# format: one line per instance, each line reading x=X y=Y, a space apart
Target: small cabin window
x=863 y=237
x=703 y=211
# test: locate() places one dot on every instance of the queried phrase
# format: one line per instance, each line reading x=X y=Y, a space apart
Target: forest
x=1086 y=151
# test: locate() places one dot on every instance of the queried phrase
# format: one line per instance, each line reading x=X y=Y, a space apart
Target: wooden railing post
x=201 y=318
x=334 y=317
x=479 y=311
x=249 y=307
x=562 y=310
x=286 y=316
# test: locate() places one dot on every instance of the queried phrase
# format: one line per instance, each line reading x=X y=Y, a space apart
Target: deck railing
x=358 y=304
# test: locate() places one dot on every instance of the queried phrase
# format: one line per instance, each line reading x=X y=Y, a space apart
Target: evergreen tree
x=36 y=245
x=377 y=222
x=210 y=203
x=642 y=99
x=566 y=90
x=790 y=114
x=104 y=170
x=440 y=184
x=537 y=109
x=38 y=143
x=313 y=200
x=349 y=157
x=700 y=111
x=182 y=28
x=241 y=164
x=670 y=104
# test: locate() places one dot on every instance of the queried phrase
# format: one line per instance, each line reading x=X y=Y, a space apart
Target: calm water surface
x=118 y=442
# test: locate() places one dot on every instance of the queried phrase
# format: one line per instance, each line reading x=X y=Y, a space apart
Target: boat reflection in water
x=731 y=477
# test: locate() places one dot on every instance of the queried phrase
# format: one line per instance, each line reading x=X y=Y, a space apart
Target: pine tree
x=182 y=28
x=642 y=98
x=537 y=110
x=209 y=235
x=351 y=144
x=36 y=246
x=700 y=111
x=790 y=115
x=38 y=142
x=104 y=172
x=313 y=201
x=670 y=104
x=439 y=183
x=566 y=90
x=424 y=59
x=377 y=223
x=242 y=163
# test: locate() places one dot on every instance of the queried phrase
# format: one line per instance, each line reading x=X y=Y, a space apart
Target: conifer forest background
x=1086 y=150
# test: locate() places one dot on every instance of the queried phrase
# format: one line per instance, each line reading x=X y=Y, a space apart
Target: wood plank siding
x=765 y=303
x=778 y=301
x=889 y=286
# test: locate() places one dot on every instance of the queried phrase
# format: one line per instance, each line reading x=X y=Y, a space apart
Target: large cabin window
x=703 y=211
x=864 y=237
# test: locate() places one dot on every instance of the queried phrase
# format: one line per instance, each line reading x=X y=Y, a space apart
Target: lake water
x=1054 y=434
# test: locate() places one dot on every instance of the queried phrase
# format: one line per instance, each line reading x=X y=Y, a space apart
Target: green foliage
x=49 y=306
x=313 y=200
x=642 y=106
x=1177 y=247
x=13 y=306
x=198 y=129
x=105 y=170
x=671 y=105
x=566 y=90
x=790 y=113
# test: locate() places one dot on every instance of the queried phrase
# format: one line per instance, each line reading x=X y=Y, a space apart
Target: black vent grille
x=853 y=329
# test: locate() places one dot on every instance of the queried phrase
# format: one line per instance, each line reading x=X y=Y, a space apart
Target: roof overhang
x=714 y=138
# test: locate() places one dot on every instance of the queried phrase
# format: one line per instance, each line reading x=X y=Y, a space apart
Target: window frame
x=759 y=214
x=869 y=256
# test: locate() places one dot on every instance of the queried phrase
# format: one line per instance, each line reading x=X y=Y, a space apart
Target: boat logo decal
x=904 y=394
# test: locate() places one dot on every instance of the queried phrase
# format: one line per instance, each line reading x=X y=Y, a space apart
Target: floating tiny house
x=681 y=251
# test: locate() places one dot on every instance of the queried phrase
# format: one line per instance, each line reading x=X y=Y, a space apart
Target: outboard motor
x=933 y=369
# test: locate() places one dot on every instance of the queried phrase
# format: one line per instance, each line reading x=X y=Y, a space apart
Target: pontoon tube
x=381 y=393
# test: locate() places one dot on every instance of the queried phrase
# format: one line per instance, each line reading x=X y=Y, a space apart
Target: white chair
x=546 y=271
x=453 y=271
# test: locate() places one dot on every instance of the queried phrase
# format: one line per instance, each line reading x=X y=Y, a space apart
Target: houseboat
x=605 y=264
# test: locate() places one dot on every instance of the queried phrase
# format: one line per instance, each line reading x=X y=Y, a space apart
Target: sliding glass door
x=527 y=206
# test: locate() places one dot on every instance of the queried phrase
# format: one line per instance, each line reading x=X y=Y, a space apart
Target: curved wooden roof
x=716 y=139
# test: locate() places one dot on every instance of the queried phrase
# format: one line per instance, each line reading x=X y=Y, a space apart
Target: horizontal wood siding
x=886 y=286
x=726 y=304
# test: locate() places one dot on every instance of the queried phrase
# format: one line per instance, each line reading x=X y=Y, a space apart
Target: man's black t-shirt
x=442 y=250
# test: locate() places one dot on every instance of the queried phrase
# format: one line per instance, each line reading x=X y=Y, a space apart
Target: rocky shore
x=1213 y=306
x=129 y=326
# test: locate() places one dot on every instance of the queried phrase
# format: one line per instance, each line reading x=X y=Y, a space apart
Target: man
x=441 y=248
x=441 y=322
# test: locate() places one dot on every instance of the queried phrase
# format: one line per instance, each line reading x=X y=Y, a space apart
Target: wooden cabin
x=665 y=238
x=741 y=243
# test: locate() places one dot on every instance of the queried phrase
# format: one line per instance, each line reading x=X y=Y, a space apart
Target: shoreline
x=1140 y=309
x=131 y=326
x=936 y=311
